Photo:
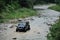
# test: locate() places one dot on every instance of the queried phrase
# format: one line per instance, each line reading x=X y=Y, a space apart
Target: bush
x=20 y=13
x=15 y=14
x=55 y=31
x=57 y=8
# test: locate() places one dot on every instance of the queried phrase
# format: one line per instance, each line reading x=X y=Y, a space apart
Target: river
x=39 y=24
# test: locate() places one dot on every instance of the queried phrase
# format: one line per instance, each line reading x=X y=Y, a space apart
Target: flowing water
x=39 y=24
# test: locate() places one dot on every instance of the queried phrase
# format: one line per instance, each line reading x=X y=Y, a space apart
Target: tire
x=28 y=27
x=25 y=30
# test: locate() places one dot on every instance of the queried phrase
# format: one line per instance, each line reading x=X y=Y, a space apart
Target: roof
x=21 y=24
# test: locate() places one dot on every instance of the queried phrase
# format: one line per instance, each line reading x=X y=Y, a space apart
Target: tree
x=57 y=1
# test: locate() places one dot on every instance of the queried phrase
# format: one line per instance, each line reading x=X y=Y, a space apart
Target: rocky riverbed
x=39 y=24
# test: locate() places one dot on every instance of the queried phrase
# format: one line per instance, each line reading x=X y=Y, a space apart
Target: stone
x=14 y=38
x=38 y=32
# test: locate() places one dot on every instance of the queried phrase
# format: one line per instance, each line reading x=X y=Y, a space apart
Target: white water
x=39 y=27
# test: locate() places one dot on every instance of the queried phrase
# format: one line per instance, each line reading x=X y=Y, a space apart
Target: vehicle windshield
x=21 y=24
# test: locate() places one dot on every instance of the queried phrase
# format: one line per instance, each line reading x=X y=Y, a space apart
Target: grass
x=54 y=32
x=55 y=29
x=56 y=7
x=20 y=13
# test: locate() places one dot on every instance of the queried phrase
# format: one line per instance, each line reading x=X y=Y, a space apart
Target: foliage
x=57 y=2
x=19 y=13
x=44 y=1
x=15 y=4
x=12 y=9
x=9 y=7
x=24 y=12
x=55 y=32
x=56 y=7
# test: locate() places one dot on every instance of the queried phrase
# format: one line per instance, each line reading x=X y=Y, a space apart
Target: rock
x=31 y=19
x=39 y=16
x=49 y=24
x=38 y=32
x=0 y=31
x=5 y=28
x=14 y=38
x=13 y=21
x=20 y=19
x=10 y=26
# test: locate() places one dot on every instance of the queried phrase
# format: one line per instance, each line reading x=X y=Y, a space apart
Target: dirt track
x=39 y=26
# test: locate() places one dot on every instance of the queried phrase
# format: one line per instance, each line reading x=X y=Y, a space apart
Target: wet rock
x=0 y=31
x=5 y=28
x=34 y=31
x=39 y=15
x=38 y=32
x=14 y=38
x=31 y=19
x=11 y=26
x=44 y=22
x=13 y=21
x=49 y=24
x=47 y=31
x=27 y=18
x=20 y=19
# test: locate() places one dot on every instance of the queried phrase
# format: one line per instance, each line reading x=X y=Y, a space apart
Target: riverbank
x=55 y=29
x=39 y=24
x=20 y=13
x=56 y=8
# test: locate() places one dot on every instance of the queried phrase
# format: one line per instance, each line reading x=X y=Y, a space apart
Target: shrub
x=57 y=8
x=55 y=31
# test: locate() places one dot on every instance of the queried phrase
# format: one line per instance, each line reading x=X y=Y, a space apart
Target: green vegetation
x=54 y=32
x=20 y=13
x=13 y=9
x=10 y=9
x=55 y=29
x=57 y=2
x=56 y=7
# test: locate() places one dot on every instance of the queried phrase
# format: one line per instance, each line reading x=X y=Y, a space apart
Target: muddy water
x=39 y=26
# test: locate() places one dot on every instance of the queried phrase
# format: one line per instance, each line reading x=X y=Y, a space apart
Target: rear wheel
x=28 y=27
